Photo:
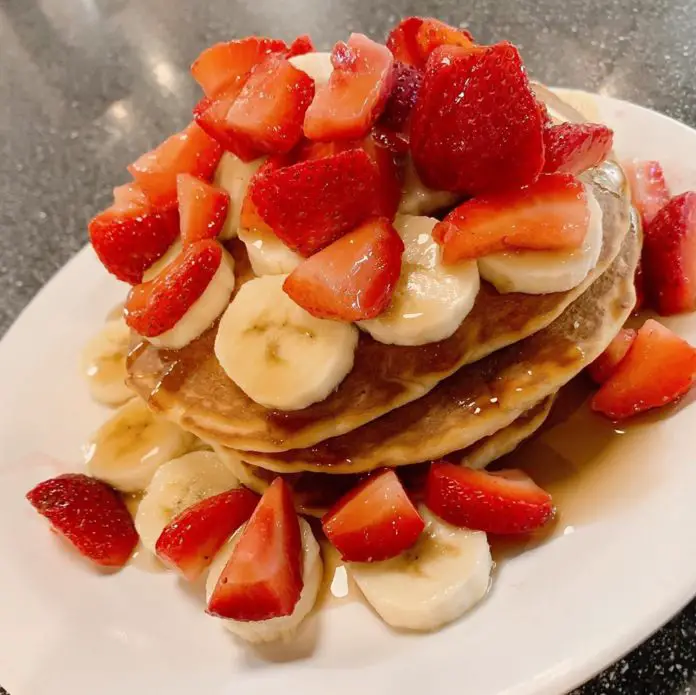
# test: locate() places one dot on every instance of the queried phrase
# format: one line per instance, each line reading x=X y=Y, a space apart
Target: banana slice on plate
x=277 y=353
x=177 y=485
x=317 y=65
x=543 y=272
x=132 y=444
x=418 y=199
x=431 y=300
x=268 y=255
x=445 y=574
x=274 y=628
x=103 y=362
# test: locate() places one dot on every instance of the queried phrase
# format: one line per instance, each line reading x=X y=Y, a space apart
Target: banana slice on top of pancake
x=268 y=255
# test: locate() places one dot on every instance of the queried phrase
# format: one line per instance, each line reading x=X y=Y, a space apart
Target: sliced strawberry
x=192 y=151
x=390 y=175
x=90 y=515
x=658 y=368
x=407 y=84
x=576 y=147
x=433 y=33
x=269 y=111
x=669 y=256
x=353 y=278
x=131 y=234
x=202 y=208
x=301 y=45
x=551 y=214
x=648 y=188
x=225 y=67
x=190 y=541
x=375 y=521
x=156 y=306
x=355 y=96
x=505 y=502
x=403 y=43
x=476 y=126
x=263 y=577
x=605 y=365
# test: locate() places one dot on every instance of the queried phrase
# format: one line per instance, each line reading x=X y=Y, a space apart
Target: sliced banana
x=268 y=255
x=317 y=65
x=177 y=485
x=277 y=353
x=158 y=266
x=418 y=199
x=233 y=175
x=203 y=311
x=275 y=628
x=131 y=445
x=431 y=300
x=445 y=574
x=103 y=362
x=543 y=272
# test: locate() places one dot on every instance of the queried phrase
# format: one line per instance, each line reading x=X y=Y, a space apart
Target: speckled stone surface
x=87 y=85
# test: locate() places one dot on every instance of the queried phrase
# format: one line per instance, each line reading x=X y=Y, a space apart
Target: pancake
x=315 y=493
x=190 y=387
x=486 y=396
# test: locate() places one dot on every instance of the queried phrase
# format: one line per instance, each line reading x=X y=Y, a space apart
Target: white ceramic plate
x=618 y=565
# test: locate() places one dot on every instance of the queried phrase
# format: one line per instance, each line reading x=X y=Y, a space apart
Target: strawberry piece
x=190 y=541
x=576 y=147
x=263 y=577
x=355 y=96
x=407 y=84
x=192 y=151
x=605 y=365
x=156 y=306
x=476 y=126
x=353 y=278
x=130 y=235
x=669 y=256
x=433 y=33
x=202 y=208
x=301 y=45
x=402 y=42
x=90 y=515
x=225 y=67
x=504 y=502
x=658 y=368
x=373 y=522
x=648 y=188
x=551 y=214
x=269 y=111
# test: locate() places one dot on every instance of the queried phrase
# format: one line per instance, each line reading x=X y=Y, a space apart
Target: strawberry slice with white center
x=202 y=209
x=648 y=188
x=192 y=151
x=353 y=278
x=605 y=365
x=225 y=67
x=549 y=215
x=263 y=577
x=90 y=515
x=356 y=93
x=576 y=147
x=131 y=234
x=658 y=368
x=375 y=521
x=504 y=502
x=190 y=541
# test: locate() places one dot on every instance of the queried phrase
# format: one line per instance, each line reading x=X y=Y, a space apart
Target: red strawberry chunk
x=202 y=208
x=576 y=147
x=433 y=33
x=225 y=67
x=648 y=188
x=90 y=515
x=131 y=234
x=269 y=111
x=658 y=368
x=192 y=151
x=407 y=84
x=191 y=540
x=353 y=278
x=505 y=502
x=355 y=96
x=669 y=256
x=373 y=522
x=551 y=214
x=476 y=126
x=156 y=306
x=402 y=42
x=301 y=45
x=605 y=365
x=263 y=577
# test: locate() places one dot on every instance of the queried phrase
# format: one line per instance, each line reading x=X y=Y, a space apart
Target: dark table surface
x=87 y=85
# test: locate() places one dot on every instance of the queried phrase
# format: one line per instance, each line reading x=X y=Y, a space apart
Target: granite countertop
x=87 y=85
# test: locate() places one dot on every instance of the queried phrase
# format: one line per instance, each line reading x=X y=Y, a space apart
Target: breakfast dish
x=357 y=280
